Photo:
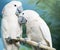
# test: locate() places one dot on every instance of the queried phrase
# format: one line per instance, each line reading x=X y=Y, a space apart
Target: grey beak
x=22 y=20
x=19 y=10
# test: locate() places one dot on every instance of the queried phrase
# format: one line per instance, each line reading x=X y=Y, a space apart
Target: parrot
x=10 y=28
x=36 y=28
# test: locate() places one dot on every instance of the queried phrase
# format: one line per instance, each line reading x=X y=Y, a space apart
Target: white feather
x=10 y=26
x=37 y=29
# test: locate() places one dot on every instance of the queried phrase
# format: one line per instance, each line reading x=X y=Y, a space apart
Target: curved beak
x=22 y=20
x=19 y=10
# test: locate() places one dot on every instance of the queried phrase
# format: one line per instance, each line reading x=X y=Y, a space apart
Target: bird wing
x=45 y=31
x=4 y=28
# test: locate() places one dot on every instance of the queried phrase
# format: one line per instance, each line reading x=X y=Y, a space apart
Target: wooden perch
x=35 y=44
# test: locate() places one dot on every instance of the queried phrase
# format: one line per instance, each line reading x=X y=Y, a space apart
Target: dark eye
x=15 y=5
x=22 y=13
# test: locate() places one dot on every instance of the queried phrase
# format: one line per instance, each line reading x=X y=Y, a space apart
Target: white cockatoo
x=10 y=27
x=37 y=29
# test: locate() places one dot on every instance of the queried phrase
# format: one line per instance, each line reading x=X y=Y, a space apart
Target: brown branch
x=35 y=44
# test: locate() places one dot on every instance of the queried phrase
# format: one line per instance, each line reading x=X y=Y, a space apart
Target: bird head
x=12 y=8
x=27 y=16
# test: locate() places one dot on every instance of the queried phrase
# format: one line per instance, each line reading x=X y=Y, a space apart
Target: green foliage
x=24 y=30
x=23 y=47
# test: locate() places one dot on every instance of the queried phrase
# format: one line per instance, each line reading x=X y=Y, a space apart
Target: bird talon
x=8 y=40
x=26 y=39
x=39 y=44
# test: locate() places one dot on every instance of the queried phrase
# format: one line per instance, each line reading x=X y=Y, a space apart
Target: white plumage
x=10 y=26
x=37 y=29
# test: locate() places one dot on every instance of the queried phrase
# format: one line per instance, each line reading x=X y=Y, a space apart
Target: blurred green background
x=49 y=10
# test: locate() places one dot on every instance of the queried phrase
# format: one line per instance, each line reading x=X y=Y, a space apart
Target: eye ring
x=15 y=5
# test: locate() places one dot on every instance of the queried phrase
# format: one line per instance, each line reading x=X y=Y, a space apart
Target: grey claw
x=38 y=44
x=9 y=40
x=25 y=39
x=18 y=37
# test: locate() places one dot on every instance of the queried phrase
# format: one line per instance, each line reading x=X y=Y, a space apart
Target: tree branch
x=35 y=44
